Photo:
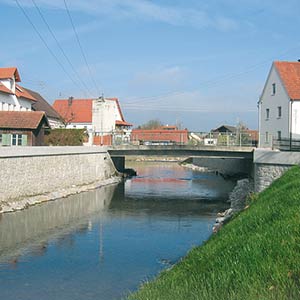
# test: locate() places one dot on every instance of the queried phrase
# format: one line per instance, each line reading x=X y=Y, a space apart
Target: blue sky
x=200 y=63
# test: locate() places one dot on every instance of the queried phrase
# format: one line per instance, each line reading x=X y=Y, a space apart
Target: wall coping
x=274 y=157
x=11 y=151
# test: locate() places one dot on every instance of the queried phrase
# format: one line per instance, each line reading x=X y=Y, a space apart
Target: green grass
x=255 y=256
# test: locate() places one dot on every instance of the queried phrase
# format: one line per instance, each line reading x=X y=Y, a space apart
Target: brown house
x=22 y=128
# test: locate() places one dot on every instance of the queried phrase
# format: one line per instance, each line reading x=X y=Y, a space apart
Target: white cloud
x=141 y=9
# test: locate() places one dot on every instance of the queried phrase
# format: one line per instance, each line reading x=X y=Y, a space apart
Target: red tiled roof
x=80 y=110
x=289 y=73
x=178 y=136
x=77 y=111
x=5 y=90
x=6 y=73
x=20 y=92
x=21 y=119
x=122 y=123
x=23 y=93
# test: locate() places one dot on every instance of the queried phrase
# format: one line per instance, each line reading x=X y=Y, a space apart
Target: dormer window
x=273 y=88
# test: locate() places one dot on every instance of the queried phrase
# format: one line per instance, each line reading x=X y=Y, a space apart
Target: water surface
x=104 y=243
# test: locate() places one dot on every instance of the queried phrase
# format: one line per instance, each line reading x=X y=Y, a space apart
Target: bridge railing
x=287 y=144
x=181 y=137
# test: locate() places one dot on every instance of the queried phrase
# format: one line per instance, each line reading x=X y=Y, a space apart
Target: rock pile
x=237 y=199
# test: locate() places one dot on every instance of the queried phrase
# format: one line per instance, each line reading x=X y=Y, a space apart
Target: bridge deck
x=182 y=150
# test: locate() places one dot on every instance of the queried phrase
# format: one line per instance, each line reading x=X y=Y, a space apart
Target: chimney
x=70 y=101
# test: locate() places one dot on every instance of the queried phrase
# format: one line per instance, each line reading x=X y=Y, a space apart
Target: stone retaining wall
x=270 y=165
x=265 y=174
x=30 y=171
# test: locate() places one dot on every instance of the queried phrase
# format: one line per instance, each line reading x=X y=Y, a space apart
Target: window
x=267 y=137
x=279 y=111
x=273 y=88
x=267 y=113
x=279 y=135
x=16 y=139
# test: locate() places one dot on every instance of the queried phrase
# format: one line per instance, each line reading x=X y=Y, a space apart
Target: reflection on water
x=103 y=243
x=35 y=226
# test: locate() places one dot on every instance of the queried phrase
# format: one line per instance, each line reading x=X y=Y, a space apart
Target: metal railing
x=286 y=144
x=240 y=139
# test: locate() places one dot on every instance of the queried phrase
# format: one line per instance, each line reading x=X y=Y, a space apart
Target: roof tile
x=289 y=73
x=6 y=73
x=80 y=110
x=21 y=119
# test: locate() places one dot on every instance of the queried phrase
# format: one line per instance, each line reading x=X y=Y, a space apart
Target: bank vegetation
x=254 y=256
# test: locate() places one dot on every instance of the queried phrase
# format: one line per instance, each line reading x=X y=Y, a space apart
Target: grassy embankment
x=255 y=256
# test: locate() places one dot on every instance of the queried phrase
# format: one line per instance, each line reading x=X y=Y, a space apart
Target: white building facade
x=102 y=118
x=279 y=104
x=12 y=96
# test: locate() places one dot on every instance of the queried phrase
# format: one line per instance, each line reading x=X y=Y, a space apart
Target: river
x=104 y=243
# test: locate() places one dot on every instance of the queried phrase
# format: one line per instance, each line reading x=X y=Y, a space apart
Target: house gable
x=274 y=107
x=270 y=80
x=79 y=111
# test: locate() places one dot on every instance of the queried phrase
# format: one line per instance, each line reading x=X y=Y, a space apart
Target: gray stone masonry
x=270 y=165
x=265 y=174
x=30 y=171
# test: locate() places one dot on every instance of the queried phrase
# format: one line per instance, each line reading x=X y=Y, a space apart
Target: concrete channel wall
x=226 y=165
x=30 y=171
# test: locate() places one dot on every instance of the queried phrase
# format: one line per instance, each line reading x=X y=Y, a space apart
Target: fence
x=286 y=144
x=176 y=137
x=239 y=139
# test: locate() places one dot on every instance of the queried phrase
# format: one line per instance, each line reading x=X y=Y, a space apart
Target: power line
x=210 y=83
x=81 y=49
x=189 y=109
x=60 y=47
x=44 y=42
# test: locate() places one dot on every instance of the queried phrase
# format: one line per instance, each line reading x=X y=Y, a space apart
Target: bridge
x=227 y=160
x=181 y=150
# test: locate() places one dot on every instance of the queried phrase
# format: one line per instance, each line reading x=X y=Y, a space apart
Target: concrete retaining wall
x=225 y=165
x=29 y=171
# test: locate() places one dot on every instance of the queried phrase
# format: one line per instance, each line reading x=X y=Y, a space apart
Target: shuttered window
x=13 y=139
x=6 y=139
x=24 y=140
x=19 y=140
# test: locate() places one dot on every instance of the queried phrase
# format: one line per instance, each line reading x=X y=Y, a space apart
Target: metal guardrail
x=164 y=138
x=286 y=144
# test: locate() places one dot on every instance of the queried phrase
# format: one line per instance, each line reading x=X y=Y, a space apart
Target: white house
x=100 y=117
x=13 y=97
x=279 y=104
